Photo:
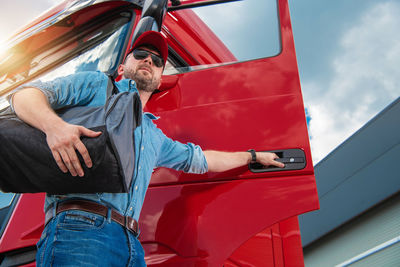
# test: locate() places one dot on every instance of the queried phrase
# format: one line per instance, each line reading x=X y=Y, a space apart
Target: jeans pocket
x=81 y=220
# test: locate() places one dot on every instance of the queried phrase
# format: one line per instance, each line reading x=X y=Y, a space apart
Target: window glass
x=249 y=28
x=96 y=49
x=103 y=57
x=170 y=69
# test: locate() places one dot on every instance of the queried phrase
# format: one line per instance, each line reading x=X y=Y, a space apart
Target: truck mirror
x=153 y=14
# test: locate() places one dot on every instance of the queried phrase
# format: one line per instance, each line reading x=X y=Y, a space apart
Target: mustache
x=146 y=66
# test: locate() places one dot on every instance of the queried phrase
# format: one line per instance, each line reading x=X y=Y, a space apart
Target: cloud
x=365 y=79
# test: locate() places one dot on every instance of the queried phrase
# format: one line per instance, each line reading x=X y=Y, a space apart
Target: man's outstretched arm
x=32 y=106
x=219 y=161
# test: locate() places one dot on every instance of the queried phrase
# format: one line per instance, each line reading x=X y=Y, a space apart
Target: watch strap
x=253 y=155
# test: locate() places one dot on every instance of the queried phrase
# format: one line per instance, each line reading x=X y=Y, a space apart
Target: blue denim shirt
x=153 y=149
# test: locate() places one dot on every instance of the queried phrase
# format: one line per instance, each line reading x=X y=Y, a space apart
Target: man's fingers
x=68 y=163
x=76 y=164
x=81 y=147
x=64 y=141
x=84 y=153
x=278 y=164
x=268 y=158
x=59 y=161
x=89 y=133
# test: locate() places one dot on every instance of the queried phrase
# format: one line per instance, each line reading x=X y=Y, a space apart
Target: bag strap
x=111 y=87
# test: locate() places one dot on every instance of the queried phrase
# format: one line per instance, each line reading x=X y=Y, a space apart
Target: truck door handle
x=294 y=159
x=291 y=160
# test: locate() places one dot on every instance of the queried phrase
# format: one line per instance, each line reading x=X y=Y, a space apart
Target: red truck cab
x=218 y=91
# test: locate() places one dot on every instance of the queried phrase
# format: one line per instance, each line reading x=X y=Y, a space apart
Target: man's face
x=143 y=71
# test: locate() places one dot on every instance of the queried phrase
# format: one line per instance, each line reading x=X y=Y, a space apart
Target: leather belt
x=96 y=208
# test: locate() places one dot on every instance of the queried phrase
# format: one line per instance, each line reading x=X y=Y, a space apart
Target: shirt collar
x=126 y=85
x=151 y=116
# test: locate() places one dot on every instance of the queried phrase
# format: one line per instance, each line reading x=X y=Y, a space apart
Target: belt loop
x=54 y=211
x=126 y=223
x=138 y=233
x=109 y=215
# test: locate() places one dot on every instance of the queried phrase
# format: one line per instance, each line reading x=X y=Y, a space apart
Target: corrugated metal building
x=358 y=183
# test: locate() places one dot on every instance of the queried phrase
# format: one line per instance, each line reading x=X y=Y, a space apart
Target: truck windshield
x=97 y=48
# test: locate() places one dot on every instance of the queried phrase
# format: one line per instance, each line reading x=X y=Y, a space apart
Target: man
x=101 y=229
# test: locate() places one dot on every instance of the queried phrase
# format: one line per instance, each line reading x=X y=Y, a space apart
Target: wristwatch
x=253 y=155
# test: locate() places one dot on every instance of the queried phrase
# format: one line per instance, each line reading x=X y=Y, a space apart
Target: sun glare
x=3 y=49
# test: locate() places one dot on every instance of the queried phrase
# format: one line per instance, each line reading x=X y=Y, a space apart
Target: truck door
x=229 y=102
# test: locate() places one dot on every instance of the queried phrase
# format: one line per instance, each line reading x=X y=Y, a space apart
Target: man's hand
x=268 y=159
x=32 y=106
x=63 y=140
x=219 y=161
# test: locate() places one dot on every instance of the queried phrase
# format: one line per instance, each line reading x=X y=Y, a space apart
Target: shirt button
x=136 y=188
x=140 y=167
x=130 y=208
x=142 y=148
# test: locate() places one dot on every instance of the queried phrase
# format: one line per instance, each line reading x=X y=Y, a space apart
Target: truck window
x=103 y=57
x=97 y=48
x=231 y=26
x=231 y=21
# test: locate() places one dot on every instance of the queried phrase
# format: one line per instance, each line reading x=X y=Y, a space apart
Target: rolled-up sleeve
x=46 y=89
x=183 y=157
x=43 y=87
x=73 y=90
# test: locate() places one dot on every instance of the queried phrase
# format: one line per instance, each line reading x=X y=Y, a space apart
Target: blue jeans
x=79 y=238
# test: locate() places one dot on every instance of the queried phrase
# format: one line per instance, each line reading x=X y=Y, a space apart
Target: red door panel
x=254 y=104
x=26 y=223
x=201 y=220
x=274 y=246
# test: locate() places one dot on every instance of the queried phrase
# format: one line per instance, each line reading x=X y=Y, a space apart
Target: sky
x=348 y=53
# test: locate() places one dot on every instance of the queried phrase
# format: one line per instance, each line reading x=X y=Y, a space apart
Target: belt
x=96 y=208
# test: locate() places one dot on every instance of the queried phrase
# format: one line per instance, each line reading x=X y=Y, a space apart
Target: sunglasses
x=140 y=54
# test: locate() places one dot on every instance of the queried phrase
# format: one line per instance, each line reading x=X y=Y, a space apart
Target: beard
x=147 y=83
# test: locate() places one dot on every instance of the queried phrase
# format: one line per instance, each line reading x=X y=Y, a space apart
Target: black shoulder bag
x=27 y=164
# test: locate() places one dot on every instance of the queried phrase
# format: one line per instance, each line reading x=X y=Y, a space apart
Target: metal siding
x=389 y=257
x=368 y=231
x=357 y=175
